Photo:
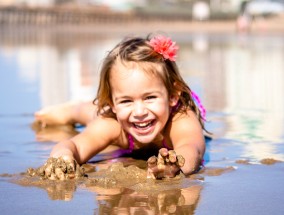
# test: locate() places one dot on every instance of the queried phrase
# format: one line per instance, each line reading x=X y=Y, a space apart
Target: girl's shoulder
x=184 y=114
x=105 y=127
x=185 y=128
x=185 y=120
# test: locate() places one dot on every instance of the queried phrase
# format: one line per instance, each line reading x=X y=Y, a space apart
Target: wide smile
x=143 y=126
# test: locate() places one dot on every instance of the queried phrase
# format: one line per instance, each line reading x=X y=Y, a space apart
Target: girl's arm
x=98 y=134
x=188 y=140
x=186 y=135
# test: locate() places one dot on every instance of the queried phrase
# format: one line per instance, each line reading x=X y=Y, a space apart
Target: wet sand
x=119 y=186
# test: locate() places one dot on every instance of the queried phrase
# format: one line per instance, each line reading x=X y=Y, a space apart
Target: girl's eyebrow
x=144 y=94
x=121 y=98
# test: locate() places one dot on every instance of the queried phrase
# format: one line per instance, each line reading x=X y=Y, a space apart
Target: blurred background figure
x=200 y=10
x=244 y=19
x=261 y=10
x=258 y=10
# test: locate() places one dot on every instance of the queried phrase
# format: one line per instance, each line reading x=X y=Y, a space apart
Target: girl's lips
x=143 y=127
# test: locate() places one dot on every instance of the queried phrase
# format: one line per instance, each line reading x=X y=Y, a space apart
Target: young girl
x=142 y=104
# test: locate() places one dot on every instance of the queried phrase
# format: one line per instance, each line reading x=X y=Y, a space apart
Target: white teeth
x=142 y=124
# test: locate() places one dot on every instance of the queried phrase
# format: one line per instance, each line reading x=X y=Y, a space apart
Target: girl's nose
x=139 y=109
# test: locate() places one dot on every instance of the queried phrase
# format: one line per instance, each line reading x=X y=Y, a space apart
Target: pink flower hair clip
x=164 y=46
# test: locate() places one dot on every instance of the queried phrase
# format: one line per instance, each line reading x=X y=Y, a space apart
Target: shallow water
x=240 y=79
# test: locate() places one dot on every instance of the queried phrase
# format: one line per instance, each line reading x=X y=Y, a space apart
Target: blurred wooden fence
x=67 y=15
x=58 y=15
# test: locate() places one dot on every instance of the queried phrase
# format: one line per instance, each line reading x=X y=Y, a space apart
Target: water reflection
x=231 y=73
x=176 y=201
x=65 y=65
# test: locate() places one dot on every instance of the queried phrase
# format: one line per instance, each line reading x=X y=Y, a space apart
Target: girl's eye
x=150 y=97
x=125 y=101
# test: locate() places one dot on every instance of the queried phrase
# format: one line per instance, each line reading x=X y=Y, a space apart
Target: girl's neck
x=137 y=145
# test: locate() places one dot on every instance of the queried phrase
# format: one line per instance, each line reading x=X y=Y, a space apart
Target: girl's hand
x=166 y=165
x=61 y=168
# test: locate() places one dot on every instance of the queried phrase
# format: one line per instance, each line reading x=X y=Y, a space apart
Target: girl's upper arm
x=188 y=140
x=97 y=135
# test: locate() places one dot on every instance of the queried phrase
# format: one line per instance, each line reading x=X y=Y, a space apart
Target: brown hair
x=139 y=51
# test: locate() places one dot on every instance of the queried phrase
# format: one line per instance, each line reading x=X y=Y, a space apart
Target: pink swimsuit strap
x=165 y=145
x=131 y=144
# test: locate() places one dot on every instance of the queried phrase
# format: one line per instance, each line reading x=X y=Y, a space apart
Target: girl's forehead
x=134 y=77
x=124 y=69
x=135 y=74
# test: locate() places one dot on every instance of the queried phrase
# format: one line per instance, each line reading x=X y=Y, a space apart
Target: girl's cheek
x=122 y=113
x=159 y=107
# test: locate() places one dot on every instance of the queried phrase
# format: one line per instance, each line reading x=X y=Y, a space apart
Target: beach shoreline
x=261 y=25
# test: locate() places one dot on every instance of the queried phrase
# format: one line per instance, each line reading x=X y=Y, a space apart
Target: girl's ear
x=111 y=105
x=174 y=99
x=113 y=108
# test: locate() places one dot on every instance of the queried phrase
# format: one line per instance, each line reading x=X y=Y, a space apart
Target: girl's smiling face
x=140 y=101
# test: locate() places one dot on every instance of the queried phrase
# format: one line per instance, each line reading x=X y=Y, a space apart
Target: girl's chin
x=145 y=138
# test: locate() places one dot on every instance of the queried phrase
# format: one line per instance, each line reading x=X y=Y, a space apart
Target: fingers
x=172 y=156
x=169 y=157
x=180 y=160
x=61 y=168
x=163 y=152
x=152 y=161
x=166 y=165
x=59 y=174
x=152 y=164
